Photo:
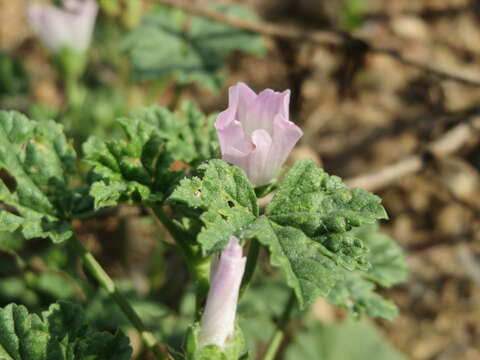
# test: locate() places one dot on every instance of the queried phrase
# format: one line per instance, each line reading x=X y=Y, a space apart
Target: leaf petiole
x=108 y=285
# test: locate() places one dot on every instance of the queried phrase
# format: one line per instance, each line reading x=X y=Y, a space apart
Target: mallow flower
x=255 y=132
x=70 y=26
x=218 y=320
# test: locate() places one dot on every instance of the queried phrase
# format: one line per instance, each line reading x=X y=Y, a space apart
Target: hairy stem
x=279 y=334
x=96 y=270
x=198 y=266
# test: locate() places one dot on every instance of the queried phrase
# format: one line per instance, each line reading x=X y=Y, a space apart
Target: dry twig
x=330 y=37
x=450 y=142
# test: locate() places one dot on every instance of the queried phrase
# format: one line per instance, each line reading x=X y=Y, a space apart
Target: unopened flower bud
x=218 y=320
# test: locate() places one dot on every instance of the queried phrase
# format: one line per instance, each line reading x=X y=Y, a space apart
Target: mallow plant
x=202 y=178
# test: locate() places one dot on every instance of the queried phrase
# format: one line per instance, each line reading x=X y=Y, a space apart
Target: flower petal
x=262 y=111
x=258 y=170
x=230 y=133
x=285 y=135
x=57 y=28
x=240 y=97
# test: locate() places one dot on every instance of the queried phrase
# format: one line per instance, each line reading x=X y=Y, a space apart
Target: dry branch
x=450 y=142
x=330 y=37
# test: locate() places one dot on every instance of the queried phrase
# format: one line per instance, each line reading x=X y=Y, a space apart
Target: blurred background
x=388 y=94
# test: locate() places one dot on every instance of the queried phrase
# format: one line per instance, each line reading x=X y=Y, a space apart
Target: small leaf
x=61 y=333
x=138 y=169
x=37 y=156
x=192 y=49
x=357 y=294
x=349 y=340
x=223 y=197
x=386 y=257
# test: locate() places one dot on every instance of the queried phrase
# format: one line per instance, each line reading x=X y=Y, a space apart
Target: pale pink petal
x=240 y=98
x=263 y=110
x=257 y=170
x=218 y=319
x=285 y=135
x=230 y=132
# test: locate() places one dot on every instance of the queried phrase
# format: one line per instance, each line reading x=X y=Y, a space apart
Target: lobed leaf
x=224 y=199
x=309 y=272
x=357 y=294
x=61 y=333
x=325 y=209
x=37 y=160
x=386 y=257
x=138 y=169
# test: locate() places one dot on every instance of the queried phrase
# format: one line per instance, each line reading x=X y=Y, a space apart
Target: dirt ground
x=363 y=114
x=363 y=111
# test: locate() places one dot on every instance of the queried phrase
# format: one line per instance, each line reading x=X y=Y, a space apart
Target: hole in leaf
x=231 y=203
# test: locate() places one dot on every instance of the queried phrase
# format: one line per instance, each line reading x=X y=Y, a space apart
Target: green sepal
x=234 y=348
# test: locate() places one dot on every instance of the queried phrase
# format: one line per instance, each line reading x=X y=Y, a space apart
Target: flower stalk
x=106 y=282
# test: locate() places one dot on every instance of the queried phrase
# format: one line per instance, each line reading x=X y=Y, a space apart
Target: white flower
x=70 y=26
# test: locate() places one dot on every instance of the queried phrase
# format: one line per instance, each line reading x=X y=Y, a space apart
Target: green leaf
x=189 y=134
x=138 y=169
x=38 y=158
x=311 y=229
x=309 y=272
x=357 y=294
x=61 y=333
x=386 y=257
x=326 y=210
x=349 y=340
x=259 y=307
x=223 y=197
x=357 y=291
x=192 y=49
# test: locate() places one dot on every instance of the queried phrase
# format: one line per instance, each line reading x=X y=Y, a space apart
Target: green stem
x=177 y=233
x=198 y=266
x=107 y=283
x=252 y=259
x=279 y=334
x=201 y=273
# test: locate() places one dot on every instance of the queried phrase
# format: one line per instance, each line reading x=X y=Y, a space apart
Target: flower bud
x=255 y=132
x=70 y=27
x=218 y=319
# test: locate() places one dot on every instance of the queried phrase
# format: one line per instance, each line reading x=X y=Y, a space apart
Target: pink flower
x=218 y=319
x=255 y=132
x=71 y=26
